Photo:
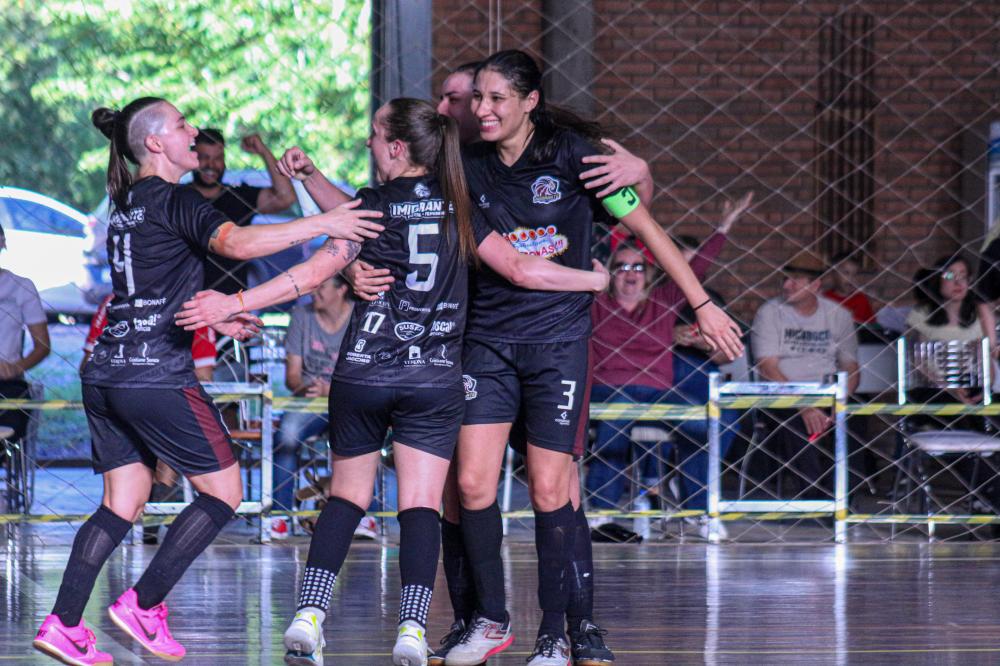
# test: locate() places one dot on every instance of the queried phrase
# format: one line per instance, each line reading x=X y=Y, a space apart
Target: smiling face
x=211 y=164
x=629 y=274
x=503 y=115
x=174 y=140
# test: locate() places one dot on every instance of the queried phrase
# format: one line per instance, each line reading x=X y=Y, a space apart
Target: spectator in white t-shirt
x=804 y=337
x=20 y=310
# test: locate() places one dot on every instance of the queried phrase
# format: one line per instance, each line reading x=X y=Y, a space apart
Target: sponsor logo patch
x=421 y=191
x=541 y=241
x=384 y=357
x=119 y=330
x=146 y=324
x=469 y=384
x=148 y=302
x=425 y=209
x=563 y=419
x=483 y=202
x=407 y=330
x=359 y=346
x=359 y=359
x=441 y=358
x=545 y=190
x=442 y=327
x=446 y=306
x=406 y=306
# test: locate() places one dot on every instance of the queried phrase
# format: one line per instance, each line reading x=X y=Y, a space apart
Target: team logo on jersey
x=469 y=384
x=133 y=217
x=407 y=330
x=484 y=203
x=359 y=346
x=543 y=241
x=425 y=209
x=422 y=191
x=119 y=330
x=545 y=190
x=442 y=327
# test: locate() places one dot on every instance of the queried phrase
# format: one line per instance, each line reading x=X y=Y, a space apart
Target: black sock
x=580 y=574
x=458 y=573
x=482 y=532
x=195 y=528
x=94 y=542
x=554 y=532
x=331 y=540
x=419 y=544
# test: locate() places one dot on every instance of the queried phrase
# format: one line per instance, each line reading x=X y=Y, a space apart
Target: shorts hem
x=434 y=451
x=101 y=469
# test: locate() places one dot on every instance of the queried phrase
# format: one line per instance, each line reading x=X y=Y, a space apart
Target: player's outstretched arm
x=347 y=222
x=209 y=308
x=530 y=272
x=296 y=164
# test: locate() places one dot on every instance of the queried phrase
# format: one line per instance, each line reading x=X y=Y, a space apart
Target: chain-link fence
x=863 y=130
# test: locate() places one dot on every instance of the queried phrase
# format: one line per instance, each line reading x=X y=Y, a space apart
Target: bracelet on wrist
x=239 y=297
x=706 y=302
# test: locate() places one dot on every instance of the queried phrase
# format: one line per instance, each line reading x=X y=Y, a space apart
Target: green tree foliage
x=296 y=71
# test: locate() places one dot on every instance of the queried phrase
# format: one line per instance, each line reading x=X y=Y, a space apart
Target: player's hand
x=368 y=282
x=206 y=308
x=348 y=222
x=719 y=331
x=615 y=171
x=254 y=145
x=816 y=421
x=242 y=326
x=603 y=277
x=732 y=211
x=296 y=164
x=318 y=389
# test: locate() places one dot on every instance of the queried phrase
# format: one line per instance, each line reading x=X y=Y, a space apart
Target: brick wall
x=720 y=97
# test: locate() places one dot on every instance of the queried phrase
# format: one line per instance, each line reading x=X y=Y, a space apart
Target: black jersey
x=412 y=335
x=157 y=249
x=238 y=204
x=542 y=209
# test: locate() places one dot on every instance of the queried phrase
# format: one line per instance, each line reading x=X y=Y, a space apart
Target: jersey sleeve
x=480 y=227
x=572 y=151
x=203 y=348
x=31 y=304
x=193 y=218
x=97 y=323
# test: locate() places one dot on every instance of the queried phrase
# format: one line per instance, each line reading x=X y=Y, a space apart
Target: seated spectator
x=633 y=332
x=20 y=311
x=804 y=337
x=844 y=269
x=312 y=346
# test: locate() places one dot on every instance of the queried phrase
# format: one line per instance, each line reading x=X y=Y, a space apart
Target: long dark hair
x=927 y=293
x=433 y=143
x=127 y=142
x=522 y=73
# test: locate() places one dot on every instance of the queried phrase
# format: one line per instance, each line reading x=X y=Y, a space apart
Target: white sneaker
x=304 y=640
x=366 y=529
x=280 y=528
x=549 y=651
x=411 y=645
x=703 y=528
x=481 y=640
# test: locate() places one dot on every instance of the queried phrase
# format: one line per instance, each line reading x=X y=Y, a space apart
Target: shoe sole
x=593 y=662
x=298 y=642
x=56 y=653
x=121 y=624
x=495 y=651
x=300 y=660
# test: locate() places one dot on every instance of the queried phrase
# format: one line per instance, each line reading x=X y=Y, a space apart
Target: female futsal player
x=526 y=355
x=140 y=394
x=399 y=365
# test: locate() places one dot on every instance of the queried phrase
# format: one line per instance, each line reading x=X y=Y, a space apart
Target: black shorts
x=543 y=388
x=13 y=389
x=427 y=419
x=181 y=427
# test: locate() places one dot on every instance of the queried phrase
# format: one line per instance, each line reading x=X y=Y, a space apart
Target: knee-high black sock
x=195 y=528
x=580 y=574
x=554 y=532
x=458 y=573
x=482 y=532
x=331 y=540
x=419 y=544
x=94 y=542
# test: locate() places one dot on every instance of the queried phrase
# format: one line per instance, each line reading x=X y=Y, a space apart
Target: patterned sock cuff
x=414 y=604
x=317 y=588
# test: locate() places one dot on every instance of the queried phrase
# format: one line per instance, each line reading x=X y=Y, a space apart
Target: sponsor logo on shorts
x=563 y=419
x=542 y=241
x=421 y=191
x=545 y=190
x=119 y=330
x=359 y=346
x=407 y=330
x=358 y=359
x=146 y=324
x=443 y=305
x=406 y=306
x=469 y=384
x=384 y=357
x=442 y=327
x=149 y=302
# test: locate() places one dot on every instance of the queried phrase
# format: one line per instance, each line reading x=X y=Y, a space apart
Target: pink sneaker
x=71 y=645
x=149 y=627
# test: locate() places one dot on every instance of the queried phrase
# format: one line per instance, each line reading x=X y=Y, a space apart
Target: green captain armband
x=621 y=202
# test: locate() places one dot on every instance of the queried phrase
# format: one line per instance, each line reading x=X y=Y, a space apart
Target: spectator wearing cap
x=844 y=269
x=804 y=337
x=20 y=311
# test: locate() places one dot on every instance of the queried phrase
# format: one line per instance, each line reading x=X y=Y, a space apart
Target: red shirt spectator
x=857 y=303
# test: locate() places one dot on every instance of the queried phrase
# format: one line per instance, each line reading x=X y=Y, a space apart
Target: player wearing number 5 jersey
x=400 y=362
x=140 y=394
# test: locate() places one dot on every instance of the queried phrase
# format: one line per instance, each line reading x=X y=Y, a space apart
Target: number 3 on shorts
x=569 y=393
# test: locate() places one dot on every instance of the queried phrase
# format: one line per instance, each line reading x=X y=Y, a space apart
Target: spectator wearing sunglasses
x=632 y=360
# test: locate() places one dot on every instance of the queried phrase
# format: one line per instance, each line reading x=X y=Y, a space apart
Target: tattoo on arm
x=351 y=248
